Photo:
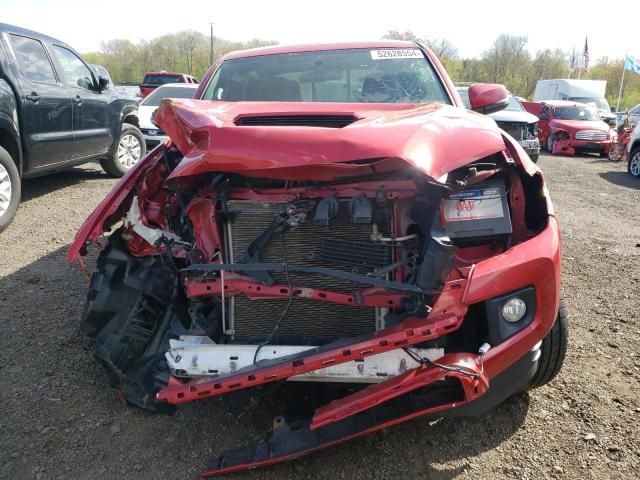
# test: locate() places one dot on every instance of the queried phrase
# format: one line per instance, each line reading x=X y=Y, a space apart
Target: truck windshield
x=162 y=79
x=514 y=105
x=576 y=113
x=353 y=75
x=600 y=103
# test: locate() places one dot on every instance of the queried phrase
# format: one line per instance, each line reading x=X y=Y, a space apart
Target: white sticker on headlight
x=390 y=53
x=474 y=205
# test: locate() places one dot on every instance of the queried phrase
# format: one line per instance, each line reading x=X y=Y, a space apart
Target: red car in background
x=566 y=127
x=153 y=80
x=328 y=213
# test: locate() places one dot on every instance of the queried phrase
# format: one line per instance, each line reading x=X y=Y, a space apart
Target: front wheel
x=616 y=152
x=553 y=350
x=129 y=151
x=9 y=189
x=550 y=141
x=634 y=163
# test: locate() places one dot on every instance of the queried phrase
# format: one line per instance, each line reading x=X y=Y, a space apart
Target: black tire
x=604 y=154
x=534 y=158
x=133 y=144
x=9 y=189
x=616 y=152
x=633 y=167
x=549 y=144
x=553 y=350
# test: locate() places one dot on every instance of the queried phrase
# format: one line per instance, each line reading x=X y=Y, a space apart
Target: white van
x=583 y=91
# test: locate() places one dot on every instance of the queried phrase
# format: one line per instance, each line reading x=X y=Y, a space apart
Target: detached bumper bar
x=408 y=333
x=367 y=411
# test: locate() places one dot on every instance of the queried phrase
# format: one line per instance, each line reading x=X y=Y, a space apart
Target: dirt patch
x=59 y=419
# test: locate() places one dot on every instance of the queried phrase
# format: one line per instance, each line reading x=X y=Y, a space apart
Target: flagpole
x=624 y=64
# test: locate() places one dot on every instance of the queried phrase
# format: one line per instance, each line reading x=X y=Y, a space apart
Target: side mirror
x=103 y=83
x=488 y=97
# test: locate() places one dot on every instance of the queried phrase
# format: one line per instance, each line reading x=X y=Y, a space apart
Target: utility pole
x=211 y=45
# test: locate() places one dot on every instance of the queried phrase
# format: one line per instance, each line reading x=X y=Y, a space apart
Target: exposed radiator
x=307 y=322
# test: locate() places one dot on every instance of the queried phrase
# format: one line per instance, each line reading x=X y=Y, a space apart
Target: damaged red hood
x=213 y=136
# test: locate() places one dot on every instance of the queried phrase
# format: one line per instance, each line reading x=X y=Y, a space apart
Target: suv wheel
x=634 y=163
x=9 y=189
x=129 y=151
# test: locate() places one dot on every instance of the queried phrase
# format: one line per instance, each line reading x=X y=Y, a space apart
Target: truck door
x=46 y=115
x=91 y=122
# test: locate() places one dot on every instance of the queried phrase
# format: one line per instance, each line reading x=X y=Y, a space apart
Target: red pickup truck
x=153 y=80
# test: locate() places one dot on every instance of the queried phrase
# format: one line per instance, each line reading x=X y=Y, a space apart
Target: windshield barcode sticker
x=395 y=53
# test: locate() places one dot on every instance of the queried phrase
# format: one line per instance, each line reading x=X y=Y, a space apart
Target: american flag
x=585 y=55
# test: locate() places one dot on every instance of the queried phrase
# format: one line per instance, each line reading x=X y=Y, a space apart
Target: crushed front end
x=418 y=261
x=526 y=134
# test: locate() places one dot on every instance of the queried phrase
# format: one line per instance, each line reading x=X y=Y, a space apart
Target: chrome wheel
x=634 y=165
x=129 y=150
x=5 y=190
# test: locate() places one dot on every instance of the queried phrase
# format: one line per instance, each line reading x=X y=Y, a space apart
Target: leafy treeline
x=186 y=52
x=506 y=61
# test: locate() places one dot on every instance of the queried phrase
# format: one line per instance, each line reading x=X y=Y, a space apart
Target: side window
x=544 y=114
x=32 y=59
x=76 y=73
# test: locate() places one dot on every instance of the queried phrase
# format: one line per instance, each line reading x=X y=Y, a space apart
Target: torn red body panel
x=563 y=147
x=409 y=249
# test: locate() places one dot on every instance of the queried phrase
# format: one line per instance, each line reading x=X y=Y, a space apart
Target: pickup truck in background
x=153 y=80
x=56 y=112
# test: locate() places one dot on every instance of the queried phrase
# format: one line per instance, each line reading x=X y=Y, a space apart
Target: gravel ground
x=58 y=418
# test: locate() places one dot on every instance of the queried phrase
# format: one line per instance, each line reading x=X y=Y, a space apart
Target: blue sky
x=470 y=25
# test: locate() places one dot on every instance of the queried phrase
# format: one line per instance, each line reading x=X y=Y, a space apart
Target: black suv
x=56 y=112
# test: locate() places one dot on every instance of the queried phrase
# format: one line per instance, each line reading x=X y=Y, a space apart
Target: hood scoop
x=323 y=121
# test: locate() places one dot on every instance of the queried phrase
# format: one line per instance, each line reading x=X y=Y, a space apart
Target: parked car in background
x=633 y=152
x=514 y=120
x=56 y=111
x=153 y=80
x=566 y=126
x=328 y=213
x=581 y=91
x=153 y=135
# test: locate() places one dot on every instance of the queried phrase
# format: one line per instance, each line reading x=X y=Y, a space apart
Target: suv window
x=76 y=73
x=33 y=60
x=351 y=75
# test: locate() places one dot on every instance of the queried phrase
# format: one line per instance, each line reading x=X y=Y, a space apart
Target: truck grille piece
x=595 y=135
x=312 y=322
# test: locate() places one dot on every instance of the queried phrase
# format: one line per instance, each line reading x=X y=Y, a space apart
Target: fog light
x=514 y=310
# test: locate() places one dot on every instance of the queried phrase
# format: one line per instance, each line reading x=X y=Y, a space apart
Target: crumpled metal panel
x=435 y=139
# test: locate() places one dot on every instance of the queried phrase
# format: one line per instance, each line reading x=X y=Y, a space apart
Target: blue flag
x=632 y=64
